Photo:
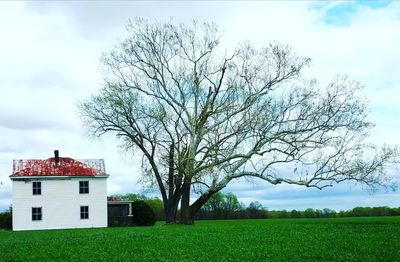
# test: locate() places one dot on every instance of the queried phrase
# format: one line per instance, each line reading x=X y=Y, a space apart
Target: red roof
x=65 y=167
x=116 y=199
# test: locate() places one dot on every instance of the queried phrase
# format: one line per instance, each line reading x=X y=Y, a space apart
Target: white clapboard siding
x=60 y=201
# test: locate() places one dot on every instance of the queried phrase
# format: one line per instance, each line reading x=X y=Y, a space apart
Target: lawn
x=340 y=239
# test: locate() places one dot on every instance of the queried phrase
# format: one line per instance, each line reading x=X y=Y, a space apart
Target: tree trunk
x=185 y=204
x=171 y=207
x=199 y=203
x=188 y=212
x=170 y=213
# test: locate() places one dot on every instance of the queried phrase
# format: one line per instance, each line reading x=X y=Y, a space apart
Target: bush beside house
x=143 y=214
x=6 y=220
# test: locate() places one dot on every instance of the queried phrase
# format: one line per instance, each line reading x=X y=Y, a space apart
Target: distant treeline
x=227 y=206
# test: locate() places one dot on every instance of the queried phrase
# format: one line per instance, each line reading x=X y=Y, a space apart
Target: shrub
x=6 y=220
x=143 y=215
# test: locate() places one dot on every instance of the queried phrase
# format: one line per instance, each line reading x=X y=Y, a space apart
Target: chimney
x=56 y=158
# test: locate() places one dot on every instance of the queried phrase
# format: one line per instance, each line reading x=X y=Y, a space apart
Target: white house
x=59 y=192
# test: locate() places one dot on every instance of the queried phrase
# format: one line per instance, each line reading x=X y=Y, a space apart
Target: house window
x=37 y=188
x=84 y=212
x=83 y=187
x=36 y=213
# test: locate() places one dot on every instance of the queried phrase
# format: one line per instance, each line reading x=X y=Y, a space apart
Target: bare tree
x=201 y=117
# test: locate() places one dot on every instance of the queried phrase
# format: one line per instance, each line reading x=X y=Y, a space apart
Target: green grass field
x=340 y=239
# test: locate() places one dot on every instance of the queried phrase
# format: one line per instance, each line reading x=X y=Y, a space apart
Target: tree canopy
x=201 y=116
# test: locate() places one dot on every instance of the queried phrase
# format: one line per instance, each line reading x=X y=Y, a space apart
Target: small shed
x=119 y=211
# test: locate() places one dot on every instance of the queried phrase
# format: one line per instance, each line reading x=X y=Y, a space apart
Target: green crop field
x=340 y=239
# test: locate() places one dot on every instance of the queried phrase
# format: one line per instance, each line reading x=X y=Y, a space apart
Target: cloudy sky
x=49 y=62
